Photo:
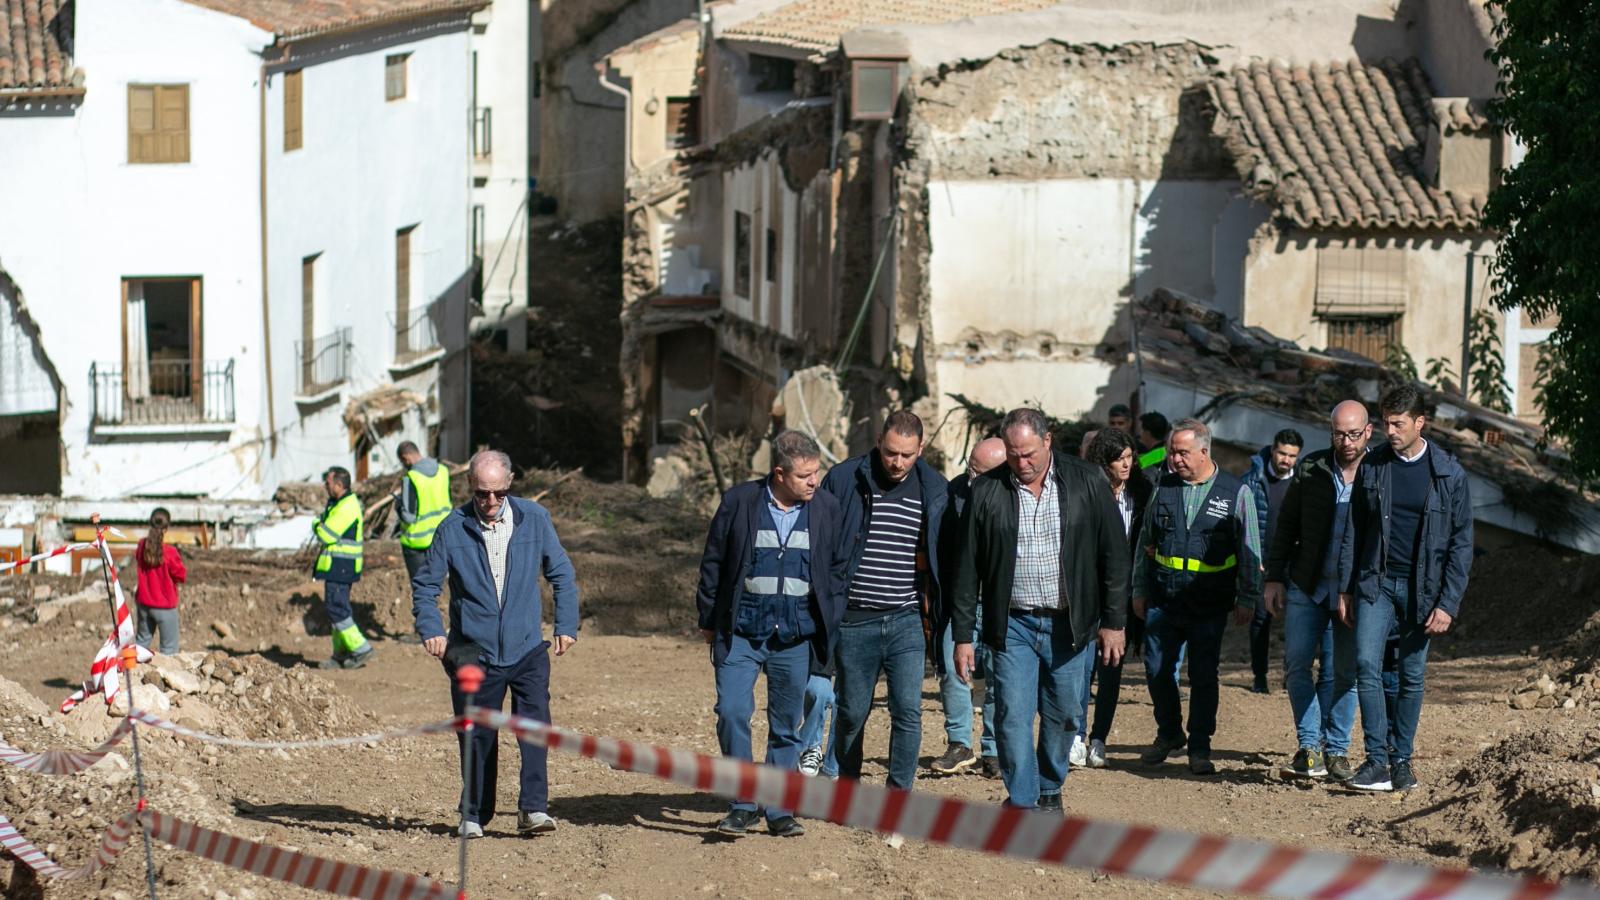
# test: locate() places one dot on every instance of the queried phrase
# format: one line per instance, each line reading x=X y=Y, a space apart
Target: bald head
x=989 y=453
x=1351 y=427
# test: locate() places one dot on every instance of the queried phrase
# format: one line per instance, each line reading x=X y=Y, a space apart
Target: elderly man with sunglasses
x=493 y=550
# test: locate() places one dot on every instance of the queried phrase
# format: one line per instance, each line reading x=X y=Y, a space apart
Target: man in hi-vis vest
x=421 y=504
x=339 y=566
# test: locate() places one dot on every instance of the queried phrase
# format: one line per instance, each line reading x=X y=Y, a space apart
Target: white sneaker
x=470 y=830
x=811 y=761
x=534 y=823
x=1079 y=754
x=1097 y=754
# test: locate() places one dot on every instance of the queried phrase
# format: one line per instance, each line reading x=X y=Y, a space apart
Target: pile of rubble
x=245 y=697
x=1579 y=691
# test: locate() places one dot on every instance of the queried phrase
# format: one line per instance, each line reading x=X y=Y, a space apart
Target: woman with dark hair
x=160 y=572
x=1115 y=453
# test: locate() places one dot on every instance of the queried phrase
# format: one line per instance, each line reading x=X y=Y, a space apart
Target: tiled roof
x=36 y=47
x=305 y=18
x=1341 y=145
x=817 y=25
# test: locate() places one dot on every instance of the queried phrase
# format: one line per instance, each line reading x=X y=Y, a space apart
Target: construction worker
x=422 y=503
x=339 y=566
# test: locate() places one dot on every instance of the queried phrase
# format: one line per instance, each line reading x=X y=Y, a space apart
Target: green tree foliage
x=1547 y=209
x=1489 y=385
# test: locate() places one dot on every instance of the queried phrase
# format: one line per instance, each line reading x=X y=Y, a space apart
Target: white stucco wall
x=759 y=191
x=367 y=168
x=502 y=87
x=76 y=219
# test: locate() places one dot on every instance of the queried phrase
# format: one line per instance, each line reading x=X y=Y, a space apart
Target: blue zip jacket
x=730 y=550
x=851 y=482
x=508 y=632
x=1444 y=553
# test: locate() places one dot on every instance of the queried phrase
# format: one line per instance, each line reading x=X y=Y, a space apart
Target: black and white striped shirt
x=887 y=577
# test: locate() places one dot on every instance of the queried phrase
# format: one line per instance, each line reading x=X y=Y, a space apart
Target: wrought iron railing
x=324 y=362
x=162 y=392
x=482 y=132
x=417 y=333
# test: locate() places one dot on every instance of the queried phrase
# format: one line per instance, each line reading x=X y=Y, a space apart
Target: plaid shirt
x=497 y=542
x=1037 y=582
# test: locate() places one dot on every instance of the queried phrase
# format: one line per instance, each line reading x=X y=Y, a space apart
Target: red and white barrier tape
x=1177 y=857
x=103 y=670
x=111 y=843
x=59 y=551
x=63 y=762
x=156 y=721
x=276 y=863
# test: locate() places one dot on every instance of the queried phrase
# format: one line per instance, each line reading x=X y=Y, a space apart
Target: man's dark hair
x=1026 y=417
x=405 y=448
x=1108 y=445
x=1155 y=425
x=340 y=476
x=1404 y=399
x=1288 y=438
x=903 y=422
x=1121 y=409
x=791 y=446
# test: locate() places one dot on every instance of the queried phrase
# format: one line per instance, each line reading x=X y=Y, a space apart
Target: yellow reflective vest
x=339 y=530
x=433 y=504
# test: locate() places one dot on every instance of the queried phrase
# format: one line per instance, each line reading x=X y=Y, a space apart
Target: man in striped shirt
x=891 y=506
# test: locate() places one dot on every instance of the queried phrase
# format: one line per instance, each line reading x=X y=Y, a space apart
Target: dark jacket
x=730 y=548
x=1095 y=575
x=506 y=631
x=1299 y=545
x=851 y=483
x=1260 y=483
x=1444 y=553
x=952 y=532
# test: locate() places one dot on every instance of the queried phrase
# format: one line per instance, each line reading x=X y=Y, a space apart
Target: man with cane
x=493 y=550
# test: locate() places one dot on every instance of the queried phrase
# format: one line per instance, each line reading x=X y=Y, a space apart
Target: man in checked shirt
x=1201 y=560
x=1045 y=549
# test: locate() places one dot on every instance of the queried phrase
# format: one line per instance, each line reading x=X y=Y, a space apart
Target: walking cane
x=468 y=679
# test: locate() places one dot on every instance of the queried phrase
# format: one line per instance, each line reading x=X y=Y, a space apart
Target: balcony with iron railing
x=174 y=396
x=416 y=337
x=324 y=363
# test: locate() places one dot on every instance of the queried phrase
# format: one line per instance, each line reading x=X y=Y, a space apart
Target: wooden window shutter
x=402 y=291
x=394 y=76
x=141 y=123
x=292 y=135
x=172 y=122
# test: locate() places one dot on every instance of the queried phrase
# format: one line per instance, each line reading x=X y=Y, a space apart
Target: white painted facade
x=78 y=220
x=501 y=191
x=766 y=297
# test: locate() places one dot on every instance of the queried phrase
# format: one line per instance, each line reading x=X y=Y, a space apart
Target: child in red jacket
x=160 y=572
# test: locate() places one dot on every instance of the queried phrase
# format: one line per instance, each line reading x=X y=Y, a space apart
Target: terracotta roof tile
x=817 y=25
x=304 y=18
x=36 y=47
x=1341 y=145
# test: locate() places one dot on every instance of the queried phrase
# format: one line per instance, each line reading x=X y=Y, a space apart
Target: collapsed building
x=936 y=197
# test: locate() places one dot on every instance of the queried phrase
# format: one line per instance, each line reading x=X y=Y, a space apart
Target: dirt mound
x=1529 y=597
x=1529 y=803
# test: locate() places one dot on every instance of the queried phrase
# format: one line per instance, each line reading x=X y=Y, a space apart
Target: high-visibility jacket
x=433 y=504
x=1155 y=456
x=1196 y=565
x=339 y=530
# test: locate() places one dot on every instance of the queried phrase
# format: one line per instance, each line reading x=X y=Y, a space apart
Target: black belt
x=1047 y=612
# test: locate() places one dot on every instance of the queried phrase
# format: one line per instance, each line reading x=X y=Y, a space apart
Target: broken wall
x=1048 y=183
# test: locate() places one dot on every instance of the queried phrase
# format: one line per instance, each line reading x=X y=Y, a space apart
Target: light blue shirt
x=783 y=518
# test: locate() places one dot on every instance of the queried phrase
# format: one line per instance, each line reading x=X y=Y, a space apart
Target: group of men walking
x=1036 y=567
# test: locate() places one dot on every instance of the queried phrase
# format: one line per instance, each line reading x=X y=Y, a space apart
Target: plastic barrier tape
x=59 y=551
x=1177 y=857
x=63 y=762
x=103 y=671
x=111 y=843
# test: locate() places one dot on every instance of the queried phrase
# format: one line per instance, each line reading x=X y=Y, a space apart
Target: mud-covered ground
x=1501 y=784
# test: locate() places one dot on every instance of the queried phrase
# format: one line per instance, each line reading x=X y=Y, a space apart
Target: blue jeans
x=819 y=702
x=1167 y=630
x=1037 y=674
x=737 y=661
x=891 y=645
x=1325 y=713
x=956 y=697
x=528 y=680
x=1395 y=607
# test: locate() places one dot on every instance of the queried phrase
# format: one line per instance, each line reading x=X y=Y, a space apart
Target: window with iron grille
x=1370 y=336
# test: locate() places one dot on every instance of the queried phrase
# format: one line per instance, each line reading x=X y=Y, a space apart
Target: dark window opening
x=772 y=73
x=741 y=254
x=772 y=255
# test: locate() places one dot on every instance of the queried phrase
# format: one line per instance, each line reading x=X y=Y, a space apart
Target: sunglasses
x=498 y=495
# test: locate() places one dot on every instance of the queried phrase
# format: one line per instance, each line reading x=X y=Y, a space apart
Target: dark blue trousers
x=529 y=683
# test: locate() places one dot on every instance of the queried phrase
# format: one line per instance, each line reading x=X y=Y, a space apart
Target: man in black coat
x=771 y=593
x=1045 y=549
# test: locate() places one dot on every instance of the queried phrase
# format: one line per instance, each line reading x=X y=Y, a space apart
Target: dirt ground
x=1501 y=785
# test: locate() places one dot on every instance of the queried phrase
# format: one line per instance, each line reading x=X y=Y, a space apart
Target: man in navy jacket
x=493 y=551
x=771 y=591
x=892 y=504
